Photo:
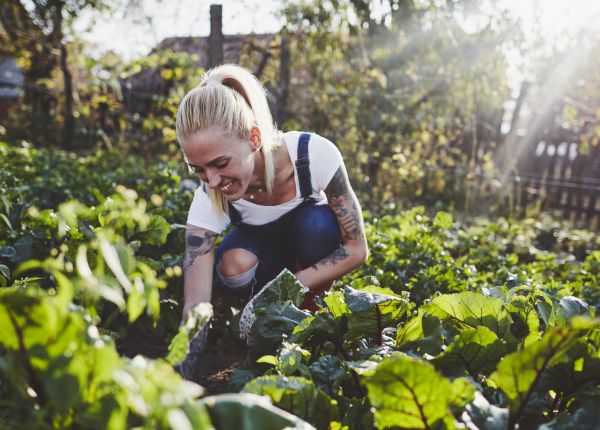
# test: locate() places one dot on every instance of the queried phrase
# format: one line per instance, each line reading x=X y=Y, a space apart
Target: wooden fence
x=556 y=175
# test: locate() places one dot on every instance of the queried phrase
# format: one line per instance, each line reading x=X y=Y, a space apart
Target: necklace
x=252 y=194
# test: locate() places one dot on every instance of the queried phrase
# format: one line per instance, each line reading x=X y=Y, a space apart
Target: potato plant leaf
x=410 y=394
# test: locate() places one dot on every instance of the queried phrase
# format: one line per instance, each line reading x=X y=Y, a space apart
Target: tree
x=34 y=32
x=409 y=94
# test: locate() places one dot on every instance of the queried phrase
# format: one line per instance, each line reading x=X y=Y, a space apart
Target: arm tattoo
x=331 y=260
x=341 y=201
x=197 y=245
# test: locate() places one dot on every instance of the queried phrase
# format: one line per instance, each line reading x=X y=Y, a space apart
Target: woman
x=287 y=194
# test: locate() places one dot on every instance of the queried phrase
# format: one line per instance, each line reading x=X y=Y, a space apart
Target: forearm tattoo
x=331 y=260
x=343 y=203
x=198 y=243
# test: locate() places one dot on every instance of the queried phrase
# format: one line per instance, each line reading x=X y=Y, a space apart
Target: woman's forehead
x=209 y=144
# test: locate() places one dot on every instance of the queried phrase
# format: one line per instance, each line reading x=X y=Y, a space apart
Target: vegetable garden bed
x=452 y=323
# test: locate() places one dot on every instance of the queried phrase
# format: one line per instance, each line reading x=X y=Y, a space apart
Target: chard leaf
x=248 y=412
x=299 y=396
x=273 y=323
x=520 y=373
x=281 y=289
x=421 y=334
x=586 y=417
x=480 y=414
x=570 y=306
x=328 y=373
x=474 y=351
x=474 y=310
x=361 y=283
x=317 y=329
x=4 y=275
x=334 y=300
x=526 y=322
x=573 y=376
x=410 y=394
x=370 y=311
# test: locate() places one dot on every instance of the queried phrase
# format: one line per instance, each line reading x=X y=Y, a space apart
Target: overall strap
x=234 y=215
x=303 y=166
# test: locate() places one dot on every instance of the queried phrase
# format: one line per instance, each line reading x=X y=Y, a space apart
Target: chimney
x=215 y=40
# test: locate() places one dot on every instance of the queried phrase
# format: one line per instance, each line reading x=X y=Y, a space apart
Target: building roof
x=233 y=46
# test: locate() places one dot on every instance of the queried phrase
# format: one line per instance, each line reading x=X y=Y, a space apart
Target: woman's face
x=224 y=162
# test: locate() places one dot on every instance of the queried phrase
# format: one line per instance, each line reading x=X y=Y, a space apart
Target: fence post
x=215 y=39
x=284 y=82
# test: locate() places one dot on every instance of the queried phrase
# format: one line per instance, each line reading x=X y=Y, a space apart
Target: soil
x=225 y=351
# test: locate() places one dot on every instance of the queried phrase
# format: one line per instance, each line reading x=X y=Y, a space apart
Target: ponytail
x=233 y=99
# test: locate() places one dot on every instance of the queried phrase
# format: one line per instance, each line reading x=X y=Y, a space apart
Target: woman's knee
x=237 y=261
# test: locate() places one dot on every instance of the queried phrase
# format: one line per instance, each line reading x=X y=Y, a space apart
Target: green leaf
x=155 y=233
x=442 y=220
x=4 y=275
x=473 y=310
x=371 y=310
x=195 y=321
x=291 y=359
x=520 y=373
x=586 y=417
x=570 y=306
x=283 y=288
x=249 y=412
x=474 y=351
x=136 y=300
x=480 y=414
x=328 y=373
x=297 y=395
x=408 y=393
x=321 y=327
x=272 y=324
x=361 y=283
x=268 y=359
x=421 y=334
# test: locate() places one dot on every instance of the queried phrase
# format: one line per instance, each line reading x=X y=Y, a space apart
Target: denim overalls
x=296 y=240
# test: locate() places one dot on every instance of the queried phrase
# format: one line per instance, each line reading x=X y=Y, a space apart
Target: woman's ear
x=255 y=138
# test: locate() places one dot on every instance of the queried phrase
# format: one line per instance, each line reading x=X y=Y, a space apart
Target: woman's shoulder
x=317 y=143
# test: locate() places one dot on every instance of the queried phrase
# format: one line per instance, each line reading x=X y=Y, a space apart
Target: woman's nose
x=213 y=179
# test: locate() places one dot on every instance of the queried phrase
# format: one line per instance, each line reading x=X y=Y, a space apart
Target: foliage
x=495 y=318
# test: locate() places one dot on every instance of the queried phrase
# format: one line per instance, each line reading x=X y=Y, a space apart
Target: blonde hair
x=233 y=99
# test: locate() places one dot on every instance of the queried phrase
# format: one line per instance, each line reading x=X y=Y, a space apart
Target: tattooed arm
x=198 y=266
x=354 y=250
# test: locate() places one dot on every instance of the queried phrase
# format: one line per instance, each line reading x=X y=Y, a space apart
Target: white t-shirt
x=325 y=160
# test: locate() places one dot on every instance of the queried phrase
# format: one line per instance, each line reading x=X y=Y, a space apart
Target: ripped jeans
x=297 y=240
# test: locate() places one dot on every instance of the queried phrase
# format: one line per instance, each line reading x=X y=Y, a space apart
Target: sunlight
x=562 y=27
